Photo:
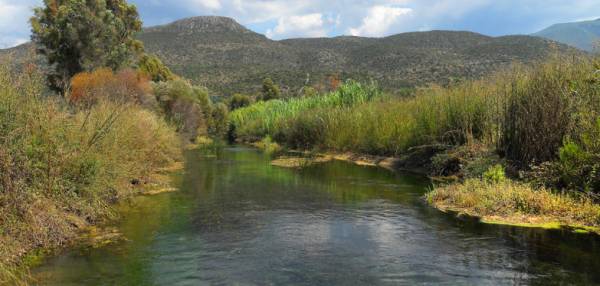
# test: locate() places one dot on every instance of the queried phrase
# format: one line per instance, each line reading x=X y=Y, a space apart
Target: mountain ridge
x=226 y=57
x=584 y=35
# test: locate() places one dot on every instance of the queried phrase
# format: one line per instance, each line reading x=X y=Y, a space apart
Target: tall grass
x=524 y=112
x=263 y=118
x=59 y=165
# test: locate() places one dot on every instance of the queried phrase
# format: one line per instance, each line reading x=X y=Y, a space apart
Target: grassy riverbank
x=541 y=123
x=61 y=168
x=516 y=203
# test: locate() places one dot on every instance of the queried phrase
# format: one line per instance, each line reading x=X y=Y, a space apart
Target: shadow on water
x=238 y=220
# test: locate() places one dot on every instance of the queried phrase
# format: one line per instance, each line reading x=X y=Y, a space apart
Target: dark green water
x=239 y=221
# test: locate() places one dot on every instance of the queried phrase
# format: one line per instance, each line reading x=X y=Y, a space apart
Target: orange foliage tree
x=124 y=86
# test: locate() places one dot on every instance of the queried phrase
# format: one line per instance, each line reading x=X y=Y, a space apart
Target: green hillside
x=226 y=57
x=583 y=35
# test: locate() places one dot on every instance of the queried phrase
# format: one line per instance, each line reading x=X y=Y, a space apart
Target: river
x=237 y=220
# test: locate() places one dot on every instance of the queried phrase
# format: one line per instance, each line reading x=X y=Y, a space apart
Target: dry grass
x=515 y=202
x=62 y=168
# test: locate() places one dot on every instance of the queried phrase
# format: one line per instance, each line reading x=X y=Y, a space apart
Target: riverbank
x=64 y=167
x=512 y=203
x=505 y=203
x=538 y=126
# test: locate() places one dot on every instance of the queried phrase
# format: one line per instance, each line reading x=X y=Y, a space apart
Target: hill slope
x=227 y=57
x=583 y=35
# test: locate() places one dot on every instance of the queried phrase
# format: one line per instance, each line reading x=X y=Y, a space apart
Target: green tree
x=269 y=90
x=219 y=126
x=238 y=101
x=82 y=35
x=152 y=66
x=309 y=91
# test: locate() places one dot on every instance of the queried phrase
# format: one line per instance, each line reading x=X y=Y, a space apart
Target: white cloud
x=310 y=25
x=379 y=20
x=14 y=17
x=206 y=4
x=316 y=18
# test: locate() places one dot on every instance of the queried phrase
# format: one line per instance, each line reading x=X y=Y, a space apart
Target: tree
x=219 y=126
x=152 y=66
x=238 y=101
x=269 y=90
x=309 y=91
x=83 y=35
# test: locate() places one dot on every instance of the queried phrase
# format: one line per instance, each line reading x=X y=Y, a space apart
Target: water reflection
x=240 y=221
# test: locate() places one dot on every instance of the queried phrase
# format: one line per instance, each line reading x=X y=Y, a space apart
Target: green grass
x=523 y=112
x=264 y=118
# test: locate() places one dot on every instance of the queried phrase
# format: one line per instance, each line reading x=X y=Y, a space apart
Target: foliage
x=495 y=174
x=126 y=86
x=309 y=91
x=154 y=68
x=269 y=90
x=219 y=126
x=579 y=162
x=529 y=115
x=239 y=101
x=60 y=166
x=188 y=107
x=544 y=106
x=77 y=35
x=266 y=118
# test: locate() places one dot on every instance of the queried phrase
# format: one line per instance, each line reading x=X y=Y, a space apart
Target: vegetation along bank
x=522 y=146
x=94 y=124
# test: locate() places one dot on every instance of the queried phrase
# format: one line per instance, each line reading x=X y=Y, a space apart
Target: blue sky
x=280 y=19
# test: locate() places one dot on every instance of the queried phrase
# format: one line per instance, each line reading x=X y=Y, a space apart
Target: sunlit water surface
x=240 y=221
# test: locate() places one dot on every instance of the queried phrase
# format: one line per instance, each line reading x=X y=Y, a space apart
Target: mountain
x=583 y=35
x=226 y=57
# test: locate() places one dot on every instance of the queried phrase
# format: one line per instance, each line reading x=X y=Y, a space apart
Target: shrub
x=60 y=163
x=187 y=106
x=153 y=68
x=495 y=174
x=269 y=90
x=219 y=126
x=87 y=88
x=239 y=101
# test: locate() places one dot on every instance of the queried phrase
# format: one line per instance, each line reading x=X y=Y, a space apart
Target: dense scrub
x=63 y=166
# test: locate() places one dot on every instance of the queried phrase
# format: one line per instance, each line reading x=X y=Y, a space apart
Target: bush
x=219 y=126
x=153 y=68
x=126 y=86
x=56 y=164
x=239 y=101
x=187 y=106
x=495 y=174
x=270 y=90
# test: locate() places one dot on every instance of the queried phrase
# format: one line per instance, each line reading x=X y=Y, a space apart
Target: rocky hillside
x=227 y=57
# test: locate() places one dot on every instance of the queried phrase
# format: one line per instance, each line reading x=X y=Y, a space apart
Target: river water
x=237 y=220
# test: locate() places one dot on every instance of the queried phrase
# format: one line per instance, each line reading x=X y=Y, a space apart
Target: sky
x=282 y=19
